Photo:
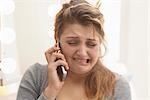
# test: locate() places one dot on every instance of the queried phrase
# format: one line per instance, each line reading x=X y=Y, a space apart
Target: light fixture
x=6 y=7
x=8 y=65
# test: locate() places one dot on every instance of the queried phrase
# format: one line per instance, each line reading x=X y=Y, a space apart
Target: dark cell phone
x=60 y=69
x=61 y=72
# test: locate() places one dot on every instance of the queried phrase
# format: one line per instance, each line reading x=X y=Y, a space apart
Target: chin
x=80 y=71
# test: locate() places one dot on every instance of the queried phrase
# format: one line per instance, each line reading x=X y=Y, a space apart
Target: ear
x=102 y=50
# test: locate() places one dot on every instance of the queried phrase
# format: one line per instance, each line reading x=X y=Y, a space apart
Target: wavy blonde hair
x=100 y=82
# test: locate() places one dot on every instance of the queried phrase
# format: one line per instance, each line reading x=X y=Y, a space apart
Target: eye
x=73 y=42
x=91 y=44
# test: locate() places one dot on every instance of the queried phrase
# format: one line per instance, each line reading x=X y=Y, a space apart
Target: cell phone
x=60 y=69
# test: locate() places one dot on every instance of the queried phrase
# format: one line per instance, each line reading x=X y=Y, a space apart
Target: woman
x=79 y=33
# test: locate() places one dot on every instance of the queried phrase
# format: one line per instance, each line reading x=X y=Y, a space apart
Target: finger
x=49 y=52
x=59 y=56
x=63 y=63
x=52 y=49
x=54 y=56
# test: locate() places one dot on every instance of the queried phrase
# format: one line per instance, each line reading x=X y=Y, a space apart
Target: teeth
x=83 y=61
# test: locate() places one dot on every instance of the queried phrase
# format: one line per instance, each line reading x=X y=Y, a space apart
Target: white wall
x=32 y=23
x=134 y=43
x=148 y=38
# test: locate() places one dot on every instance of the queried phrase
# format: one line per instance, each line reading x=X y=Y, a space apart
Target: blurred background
x=26 y=32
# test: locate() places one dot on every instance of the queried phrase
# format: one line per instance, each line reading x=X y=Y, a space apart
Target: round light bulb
x=8 y=65
x=7 y=35
x=6 y=7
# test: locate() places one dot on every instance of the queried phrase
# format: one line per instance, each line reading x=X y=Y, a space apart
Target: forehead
x=77 y=30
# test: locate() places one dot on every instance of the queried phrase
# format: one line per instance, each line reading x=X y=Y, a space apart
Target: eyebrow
x=74 y=37
x=91 y=39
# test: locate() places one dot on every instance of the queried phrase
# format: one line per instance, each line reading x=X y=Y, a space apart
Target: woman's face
x=80 y=47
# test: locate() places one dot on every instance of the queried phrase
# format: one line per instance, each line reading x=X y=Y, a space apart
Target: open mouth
x=82 y=61
x=88 y=60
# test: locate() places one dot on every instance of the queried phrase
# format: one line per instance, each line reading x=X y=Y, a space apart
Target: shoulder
x=35 y=77
x=37 y=67
x=121 y=81
x=33 y=82
x=122 y=89
x=37 y=71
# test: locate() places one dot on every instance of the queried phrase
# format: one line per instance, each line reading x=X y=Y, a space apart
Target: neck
x=75 y=83
x=76 y=78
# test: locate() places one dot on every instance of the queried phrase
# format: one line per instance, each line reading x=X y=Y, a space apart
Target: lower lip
x=81 y=63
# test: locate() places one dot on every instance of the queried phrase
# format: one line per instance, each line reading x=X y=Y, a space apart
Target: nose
x=82 y=51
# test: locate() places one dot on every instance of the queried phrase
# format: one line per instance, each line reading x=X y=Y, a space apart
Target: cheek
x=66 y=50
x=95 y=54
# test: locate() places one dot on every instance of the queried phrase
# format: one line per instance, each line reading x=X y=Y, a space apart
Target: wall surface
x=32 y=23
x=134 y=46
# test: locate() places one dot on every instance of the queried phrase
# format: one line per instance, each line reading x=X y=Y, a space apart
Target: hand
x=54 y=84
